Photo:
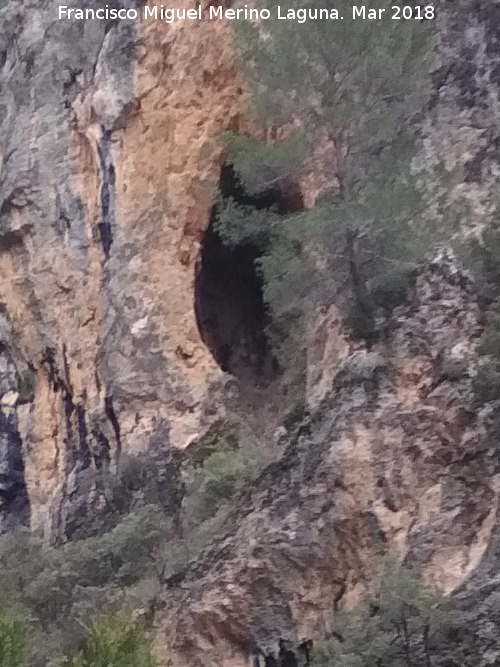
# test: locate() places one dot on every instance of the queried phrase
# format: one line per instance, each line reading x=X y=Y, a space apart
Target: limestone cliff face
x=397 y=455
x=109 y=159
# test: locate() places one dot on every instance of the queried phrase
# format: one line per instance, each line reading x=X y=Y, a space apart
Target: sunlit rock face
x=395 y=456
x=109 y=159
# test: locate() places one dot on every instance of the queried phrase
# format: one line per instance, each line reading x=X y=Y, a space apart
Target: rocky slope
x=397 y=456
x=109 y=161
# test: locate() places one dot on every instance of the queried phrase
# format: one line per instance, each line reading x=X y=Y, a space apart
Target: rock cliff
x=396 y=455
x=110 y=158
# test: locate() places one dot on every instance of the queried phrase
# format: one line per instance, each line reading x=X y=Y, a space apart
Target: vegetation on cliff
x=348 y=104
x=119 y=640
x=401 y=623
x=116 y=641
x=482 y=253
x=343 y=108
x=13 y=638
x=90 y=602
x=57 y=591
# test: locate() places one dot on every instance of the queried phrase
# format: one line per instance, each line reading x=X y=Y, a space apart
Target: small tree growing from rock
x=402 y=624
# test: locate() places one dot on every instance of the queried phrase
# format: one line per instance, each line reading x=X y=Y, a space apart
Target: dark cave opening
x=230 y=310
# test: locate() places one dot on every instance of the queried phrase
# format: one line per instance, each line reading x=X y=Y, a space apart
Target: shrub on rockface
x=122 y=555
x=403 y=623
x=487 y=380
x=26 y=384
x=117 y=641
x=225 y=459
x=226 y=470
x=47 y=580
x=62 y=588
x=482 y=255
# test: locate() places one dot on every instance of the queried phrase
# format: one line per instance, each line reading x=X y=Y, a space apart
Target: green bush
x=222 y=462
x=487 y=380
x=402 y=623
x=31 y=573
x=390 y=289
x=46 y=579
x=360 y=319
x=490 y=341
x=13 y=639
x=119 y=556
x=63 y=587
x=384 y=292
x=117 y=641
x=221 y=433
x=26 y=381
x=222 y=473
x=226 y=470
x=482 y=254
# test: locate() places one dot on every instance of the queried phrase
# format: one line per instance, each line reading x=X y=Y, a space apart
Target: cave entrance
x=230 y=310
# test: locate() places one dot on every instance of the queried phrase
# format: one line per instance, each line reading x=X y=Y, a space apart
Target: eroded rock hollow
x=229 y=301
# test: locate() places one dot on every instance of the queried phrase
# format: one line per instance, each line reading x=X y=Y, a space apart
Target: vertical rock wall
x=109 y=159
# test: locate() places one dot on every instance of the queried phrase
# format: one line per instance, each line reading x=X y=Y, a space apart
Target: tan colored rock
x=327 y=349
x=109 y=160
x=384 y=463
x=100 y=231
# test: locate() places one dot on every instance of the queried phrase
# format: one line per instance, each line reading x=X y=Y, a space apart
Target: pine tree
x=359 y=88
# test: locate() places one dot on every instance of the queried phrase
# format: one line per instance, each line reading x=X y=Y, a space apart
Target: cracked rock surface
x=398 y=456
x=109 y=160
x=109 y=157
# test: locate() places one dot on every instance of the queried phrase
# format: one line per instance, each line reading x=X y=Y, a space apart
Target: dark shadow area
x=230 y=309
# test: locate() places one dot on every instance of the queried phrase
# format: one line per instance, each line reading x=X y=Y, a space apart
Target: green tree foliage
x=482 y=254
x=44 y=578
x=226 y=470
x=225 y=459
x=121 y=555
x=13 y=639
x=61 y=588
x=117 y=641
x=402 y=624
x=357 y=87
x=228 y=463
x=487 y=381
x=360 y=85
